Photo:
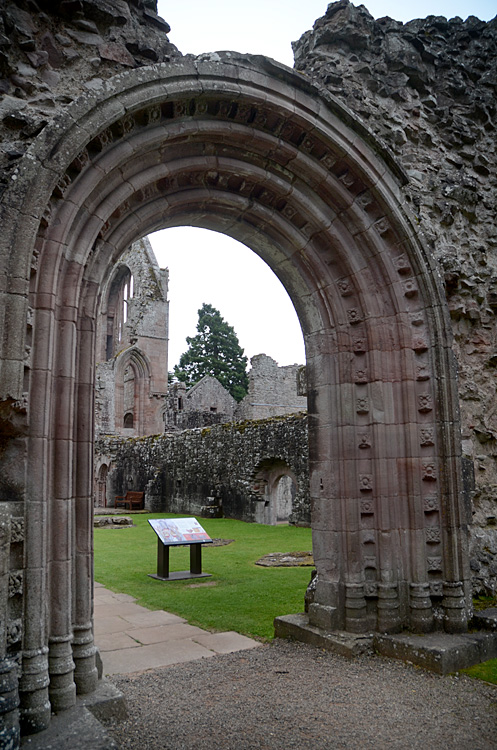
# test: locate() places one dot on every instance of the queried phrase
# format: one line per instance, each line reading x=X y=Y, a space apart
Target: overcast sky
x=209 y=267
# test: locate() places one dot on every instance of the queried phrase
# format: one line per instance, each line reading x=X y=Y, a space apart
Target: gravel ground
x=289 y=695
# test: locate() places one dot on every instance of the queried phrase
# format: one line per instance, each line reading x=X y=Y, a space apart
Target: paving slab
x=161 y=633
x=115 y=641
x=439 y=652
x=126 y=609
x=75 y=728
x=126 y=661
x=106 y=597
x=104 y=625
x=225 y=643
x=148 y=617
x=297 y=627
x=132 y=638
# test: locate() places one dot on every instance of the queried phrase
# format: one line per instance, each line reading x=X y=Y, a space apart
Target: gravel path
x=289 y=695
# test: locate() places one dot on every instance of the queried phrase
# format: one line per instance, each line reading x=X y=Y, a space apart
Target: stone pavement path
x=132 y=639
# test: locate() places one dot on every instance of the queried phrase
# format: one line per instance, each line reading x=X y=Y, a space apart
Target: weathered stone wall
x=272 y=390
x=138 y=358
x=428 y=89
x=68 y=47
x=219 y=465
x=205 y=404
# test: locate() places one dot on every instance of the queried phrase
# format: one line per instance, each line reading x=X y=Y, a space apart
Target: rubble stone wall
x=272 y=390
x=217 y=466
x=68 y=47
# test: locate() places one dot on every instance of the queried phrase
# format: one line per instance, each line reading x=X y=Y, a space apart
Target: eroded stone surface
x=427 y=88
x=286 y=560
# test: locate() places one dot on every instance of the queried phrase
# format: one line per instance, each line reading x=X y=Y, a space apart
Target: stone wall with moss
x=216 y=467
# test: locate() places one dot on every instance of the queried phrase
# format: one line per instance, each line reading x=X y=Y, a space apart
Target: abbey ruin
x=366 y=179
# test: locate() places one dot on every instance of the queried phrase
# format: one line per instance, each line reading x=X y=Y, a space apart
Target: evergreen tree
x=215 y=351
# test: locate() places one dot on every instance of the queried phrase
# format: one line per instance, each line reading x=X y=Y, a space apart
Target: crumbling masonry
x=366 y=180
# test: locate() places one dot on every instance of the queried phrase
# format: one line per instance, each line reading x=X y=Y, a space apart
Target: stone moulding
x=247 y=147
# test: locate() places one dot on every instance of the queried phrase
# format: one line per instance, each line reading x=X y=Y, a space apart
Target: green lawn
x=245 y=598
x=487 y=671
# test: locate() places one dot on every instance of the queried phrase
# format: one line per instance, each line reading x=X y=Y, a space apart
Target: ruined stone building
x=132 y=354
x=272 y=391
x=366 y=179
x=205 y=403
x=248 y=467
x=132 y=337
x=255 y=471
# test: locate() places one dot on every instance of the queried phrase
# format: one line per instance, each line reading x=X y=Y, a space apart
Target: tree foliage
x=216 y=351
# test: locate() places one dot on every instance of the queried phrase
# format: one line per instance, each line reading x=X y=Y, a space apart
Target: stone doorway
x=246 y=147
x=285 y=492
x=276 y=485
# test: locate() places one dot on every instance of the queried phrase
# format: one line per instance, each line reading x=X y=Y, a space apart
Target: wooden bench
x=131 y=500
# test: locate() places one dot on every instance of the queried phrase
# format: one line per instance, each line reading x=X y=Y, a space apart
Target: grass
x=484 y=602
x=486 y=671
x=245 y=598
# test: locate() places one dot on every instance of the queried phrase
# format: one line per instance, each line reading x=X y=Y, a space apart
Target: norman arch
x=244 y=146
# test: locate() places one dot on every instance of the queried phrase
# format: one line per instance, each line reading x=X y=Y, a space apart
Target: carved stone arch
x=135 y=360
x=246 y=147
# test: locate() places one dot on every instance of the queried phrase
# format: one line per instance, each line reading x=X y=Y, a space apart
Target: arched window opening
x=117 y=310
x=129 y=395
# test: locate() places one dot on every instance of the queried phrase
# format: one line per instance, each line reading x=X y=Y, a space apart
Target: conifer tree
x=216 y=351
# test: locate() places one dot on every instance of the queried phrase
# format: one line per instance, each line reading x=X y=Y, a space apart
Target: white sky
x=209 y=267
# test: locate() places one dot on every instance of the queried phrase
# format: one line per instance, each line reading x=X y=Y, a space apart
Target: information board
x=179 y=530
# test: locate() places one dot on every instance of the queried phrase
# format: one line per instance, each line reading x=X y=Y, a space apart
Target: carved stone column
x=388 y=608
x=9 y=705
x=356 y=615
x=84 y=650
x=33 y=691
x=62 y=689
x=455 y=618
x=421 y=612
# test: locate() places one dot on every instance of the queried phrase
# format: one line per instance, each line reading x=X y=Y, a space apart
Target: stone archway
x=277 y=486
x=247 y=147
